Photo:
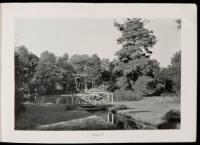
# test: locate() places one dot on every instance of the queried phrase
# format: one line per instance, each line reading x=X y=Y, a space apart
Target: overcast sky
x=89 y=36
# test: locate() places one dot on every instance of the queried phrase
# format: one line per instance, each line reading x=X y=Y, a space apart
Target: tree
x=136 y=40
x=65 y=75
x=171 y=75
x=147 y=86
x=164 y=77
x=87 y=66
x=134 y=56
x=105 y=64
x=19 y=79
x=25 y=65
x=46 y=73
x=175 y=69
x=115 y=73
x=79 y=62
x=22 y=58
x=93 y=67
x=28 y=62
x=105 y=71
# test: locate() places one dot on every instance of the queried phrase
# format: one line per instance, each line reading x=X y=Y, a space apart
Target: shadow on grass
x=40 y=115
x=138 y=111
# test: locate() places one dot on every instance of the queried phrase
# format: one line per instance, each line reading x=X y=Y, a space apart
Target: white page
x=188 y=15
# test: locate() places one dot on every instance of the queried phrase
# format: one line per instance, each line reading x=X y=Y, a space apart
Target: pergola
x=82 y=80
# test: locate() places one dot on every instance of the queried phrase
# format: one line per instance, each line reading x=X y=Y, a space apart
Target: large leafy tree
x=46 y=73
x=65 y=74
x=171 y=75
x=93 y=66
x=79 y=62
x=134 y=56
x=106 y=72
x=90 y=67
x=176 y=71
x=25 y=66
x=27 y=62
x=19 y=81
x=105 y=64
x=136 y=40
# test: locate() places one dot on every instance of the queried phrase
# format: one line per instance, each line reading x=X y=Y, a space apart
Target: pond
x=120 y=121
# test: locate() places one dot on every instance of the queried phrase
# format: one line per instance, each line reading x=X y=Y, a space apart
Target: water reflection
x=110 y=118
x=117 y=120
x=121 y=122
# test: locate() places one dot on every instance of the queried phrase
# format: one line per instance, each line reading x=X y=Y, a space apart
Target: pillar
x=112 y=118
x=108 y=119
x=108 y=98
x=112 y=98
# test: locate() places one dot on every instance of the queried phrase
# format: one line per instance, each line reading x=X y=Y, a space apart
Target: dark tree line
x=49 y=74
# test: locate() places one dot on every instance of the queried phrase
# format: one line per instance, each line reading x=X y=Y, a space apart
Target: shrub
x=147 y=86
x=112 y=87
x=119 y=107
x=141 y=86
x=71 y=107
x=172 y=116
x=19 y=107
x=171 y=120
x=126 y=95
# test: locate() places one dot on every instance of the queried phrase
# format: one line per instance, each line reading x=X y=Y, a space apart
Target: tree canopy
x=136 y=40
x=171 y=76
x=134 y=70
x=134 y=56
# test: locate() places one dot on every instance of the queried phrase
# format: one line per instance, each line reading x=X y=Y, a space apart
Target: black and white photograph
x=98 y=73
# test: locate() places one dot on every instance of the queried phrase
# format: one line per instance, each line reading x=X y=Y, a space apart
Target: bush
x=171 y=120
x=147 y=86
x=119 y=107
x=71 y=107
x=19 y=107
x=126 y=95
x=112 y=87
x=172 y=116
x=141 y=86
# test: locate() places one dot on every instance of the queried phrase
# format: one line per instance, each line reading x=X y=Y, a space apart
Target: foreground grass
x=151 y=109
x=36 y=115
x=88 y=123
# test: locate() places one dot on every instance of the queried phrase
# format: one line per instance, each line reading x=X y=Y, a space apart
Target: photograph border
x=187 y=12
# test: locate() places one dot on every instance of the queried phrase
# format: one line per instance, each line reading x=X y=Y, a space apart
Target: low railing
x=81 y=98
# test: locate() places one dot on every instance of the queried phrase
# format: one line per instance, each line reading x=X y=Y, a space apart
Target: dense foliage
x=170 y=77
x=135 y=70
x=132 y=75
x=25 y=67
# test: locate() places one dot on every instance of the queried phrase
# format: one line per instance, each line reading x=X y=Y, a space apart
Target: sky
x=89 y=36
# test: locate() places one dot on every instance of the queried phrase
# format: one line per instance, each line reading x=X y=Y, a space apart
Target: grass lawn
x=87 y=123
x=37 y=114
x=150 y=109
